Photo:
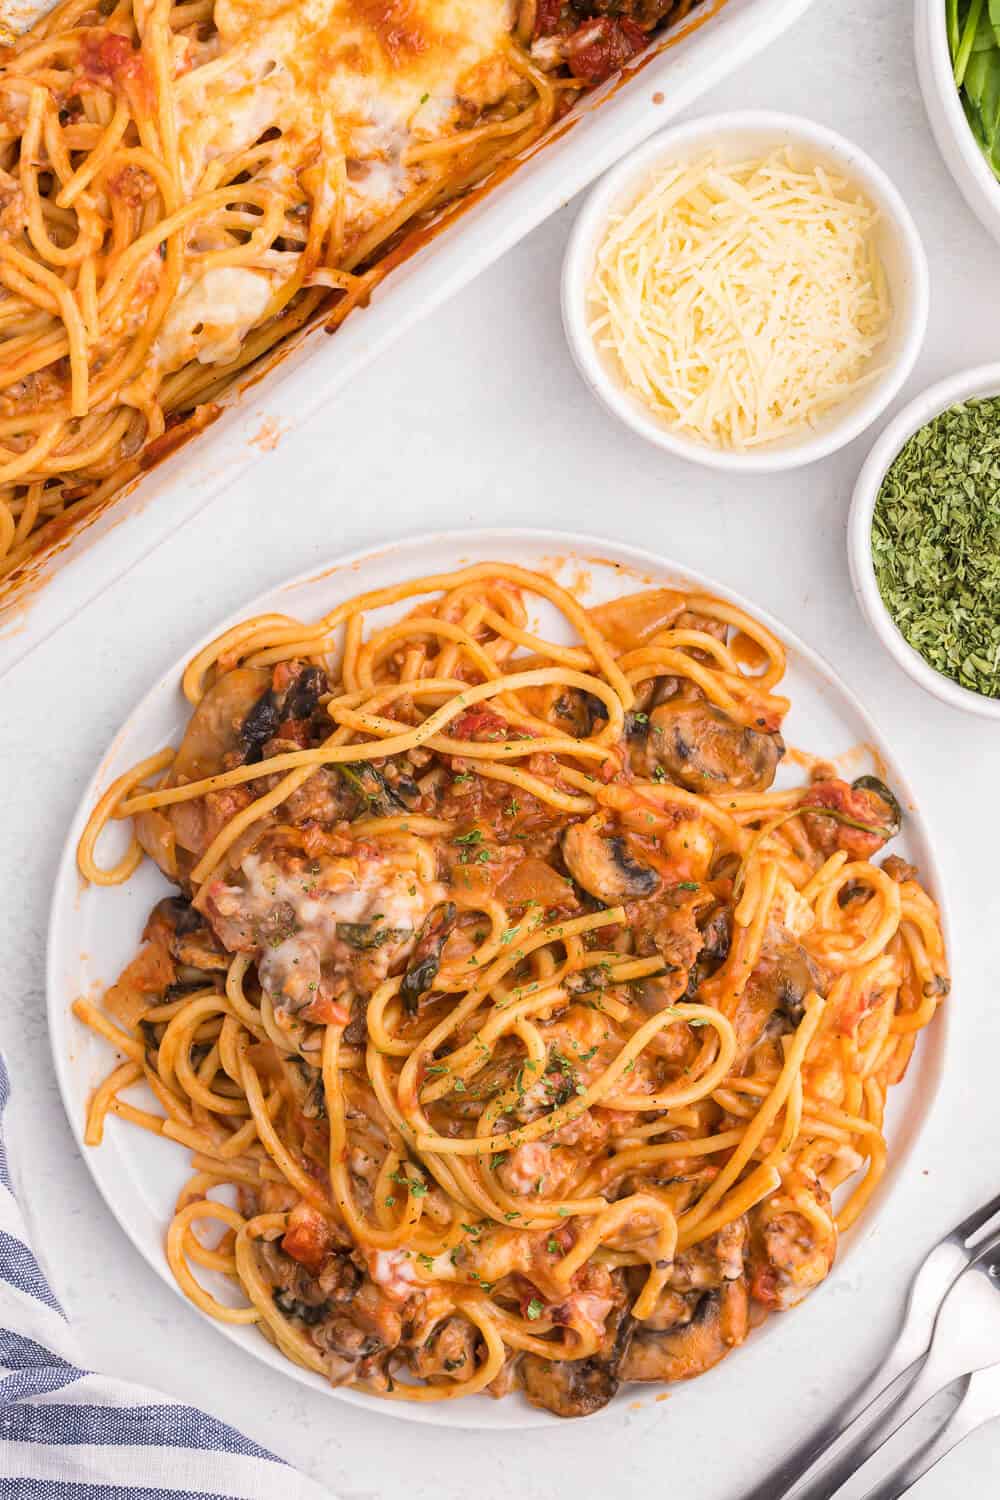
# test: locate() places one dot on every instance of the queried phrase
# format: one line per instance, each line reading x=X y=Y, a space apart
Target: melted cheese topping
x=212 y=315
x=741 y=301
x=789 y=911
x=349 y=86
x=367 y=77
x=306 y=912
x=346 y=889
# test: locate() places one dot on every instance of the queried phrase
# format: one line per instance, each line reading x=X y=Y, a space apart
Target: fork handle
x=864 y=1438
x=965 y=1418
x=848 y=1426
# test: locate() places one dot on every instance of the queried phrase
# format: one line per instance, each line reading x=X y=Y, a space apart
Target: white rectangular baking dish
x=717 y=38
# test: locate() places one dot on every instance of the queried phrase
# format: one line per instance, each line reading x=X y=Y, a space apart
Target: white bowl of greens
x=923 y=540
x=958 y=62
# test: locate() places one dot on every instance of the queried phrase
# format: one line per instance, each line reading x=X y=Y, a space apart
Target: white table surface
x=478 y=418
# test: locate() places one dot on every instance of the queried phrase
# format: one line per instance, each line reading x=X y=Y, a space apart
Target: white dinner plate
x=95 y=931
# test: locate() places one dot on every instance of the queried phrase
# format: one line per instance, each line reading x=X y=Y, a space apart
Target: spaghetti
x=524 y=1026
x=186 y=183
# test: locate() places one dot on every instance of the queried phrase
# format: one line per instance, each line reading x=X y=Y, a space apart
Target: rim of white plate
x=477 y=1413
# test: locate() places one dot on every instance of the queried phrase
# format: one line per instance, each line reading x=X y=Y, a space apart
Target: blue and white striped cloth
x=67 y=1433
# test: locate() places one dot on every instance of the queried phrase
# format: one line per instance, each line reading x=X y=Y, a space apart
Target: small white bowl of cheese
x=748 y=291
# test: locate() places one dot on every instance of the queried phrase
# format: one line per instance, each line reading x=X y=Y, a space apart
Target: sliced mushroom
x=216 y=726
x=273 y=708
x=603 y=864
x=581 y=711
x=774 y=995
x=577 y=1387
x=449 y=1351
x=260 y=725
x=309 y=1313
x=305 y=693
x=703 y=749
x=716 y=931
x=719 y=1323
x=422 y=969
x=186 y=934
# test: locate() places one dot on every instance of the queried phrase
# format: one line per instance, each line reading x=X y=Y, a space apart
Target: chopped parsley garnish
x=534 y=1309
x=934 y=528
x=417 y=1186
x=472 y=849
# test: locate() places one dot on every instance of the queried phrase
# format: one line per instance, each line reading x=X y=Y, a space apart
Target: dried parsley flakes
x=936 y=543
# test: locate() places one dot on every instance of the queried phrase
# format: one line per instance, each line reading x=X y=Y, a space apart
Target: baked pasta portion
x=525 y=1034
x=184 y=185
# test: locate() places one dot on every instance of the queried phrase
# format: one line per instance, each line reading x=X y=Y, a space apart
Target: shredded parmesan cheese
x=743 y=300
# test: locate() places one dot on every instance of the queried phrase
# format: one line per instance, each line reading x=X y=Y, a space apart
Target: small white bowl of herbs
x=958 y=63
x=924 y=540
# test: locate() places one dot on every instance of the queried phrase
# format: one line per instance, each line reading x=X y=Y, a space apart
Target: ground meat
x=556 y=16
x=325 y=798
x=791 y=1254
x=667 y=924
x=506 y=815
x=198 y=822
x=602 y=47
x=713 y=1261
x=898 y=869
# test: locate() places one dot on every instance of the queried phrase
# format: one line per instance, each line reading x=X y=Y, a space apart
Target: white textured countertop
x=477 y=418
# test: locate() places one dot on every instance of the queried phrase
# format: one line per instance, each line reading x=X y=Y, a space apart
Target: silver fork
x=966 y=1338
x=979 y=1403
x=837 y=1445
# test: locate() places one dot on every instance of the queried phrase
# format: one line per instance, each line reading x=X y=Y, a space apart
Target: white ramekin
x=951 y=129
x=967 y=385
x=737 y=134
